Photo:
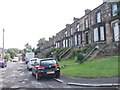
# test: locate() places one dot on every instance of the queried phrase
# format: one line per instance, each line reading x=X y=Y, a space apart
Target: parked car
x=3 y=63
x=30 y=63
x=46 y=67
x=15 y=59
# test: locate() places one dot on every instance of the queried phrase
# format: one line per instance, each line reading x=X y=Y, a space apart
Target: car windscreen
x=47 y=62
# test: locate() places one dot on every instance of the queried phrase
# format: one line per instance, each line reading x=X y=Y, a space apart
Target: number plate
x=51 y=72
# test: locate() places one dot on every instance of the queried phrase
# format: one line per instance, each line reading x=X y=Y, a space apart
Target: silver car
x=31 y=62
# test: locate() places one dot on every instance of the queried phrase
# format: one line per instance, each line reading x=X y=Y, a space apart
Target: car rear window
x=33 y=60
x=47 y=62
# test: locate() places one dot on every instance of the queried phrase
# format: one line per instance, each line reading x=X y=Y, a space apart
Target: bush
x=8 y=58
x=85 y=48
x=49 y=53
x=80 y=57
x=74 y=53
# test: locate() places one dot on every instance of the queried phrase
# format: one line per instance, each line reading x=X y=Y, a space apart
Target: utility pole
x=3 y=45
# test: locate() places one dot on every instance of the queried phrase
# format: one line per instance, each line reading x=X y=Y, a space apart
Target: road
x=15 y=75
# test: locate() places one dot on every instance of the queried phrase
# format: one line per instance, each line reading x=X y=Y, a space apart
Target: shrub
x=85 y=48
x=49 y=53
x=74 y=53
x=80 y=57
x=8 y=58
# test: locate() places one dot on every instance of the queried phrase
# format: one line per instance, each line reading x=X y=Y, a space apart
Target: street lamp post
x=3 y=45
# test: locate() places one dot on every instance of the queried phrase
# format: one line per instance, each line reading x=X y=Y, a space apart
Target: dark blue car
x=3 y=63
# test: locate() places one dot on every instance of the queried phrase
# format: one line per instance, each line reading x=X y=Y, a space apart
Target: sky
x=26 y=21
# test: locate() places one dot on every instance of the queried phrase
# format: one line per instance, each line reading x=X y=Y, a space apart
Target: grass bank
x=107 y=67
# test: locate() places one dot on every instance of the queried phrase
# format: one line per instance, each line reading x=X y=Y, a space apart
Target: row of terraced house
x=101 y=25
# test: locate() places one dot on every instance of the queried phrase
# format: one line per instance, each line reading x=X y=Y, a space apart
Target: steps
x=65 y=54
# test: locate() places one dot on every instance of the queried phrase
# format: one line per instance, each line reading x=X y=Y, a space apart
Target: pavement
x=90 y=82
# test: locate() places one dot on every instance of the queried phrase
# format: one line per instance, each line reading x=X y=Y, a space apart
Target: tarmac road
x=16 y=76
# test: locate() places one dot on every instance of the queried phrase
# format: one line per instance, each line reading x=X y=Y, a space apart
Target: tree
x=28 y=48
x=41 y=42
x=13 y=52
x=8 y=57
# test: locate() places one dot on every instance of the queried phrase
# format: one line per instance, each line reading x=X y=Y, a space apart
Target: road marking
x=94 y=85
x=61 y=81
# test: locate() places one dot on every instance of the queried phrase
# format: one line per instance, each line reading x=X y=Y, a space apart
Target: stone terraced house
x=101 y=25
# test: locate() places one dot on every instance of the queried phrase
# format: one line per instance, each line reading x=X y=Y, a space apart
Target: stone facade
x=100 y=25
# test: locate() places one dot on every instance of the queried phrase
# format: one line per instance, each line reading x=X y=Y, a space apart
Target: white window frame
x=102 y=33
x=78 y=27
x=79 y=40
x=116 y=31
x=66 y=33
x=96 y=37
x=114 y=9
x=98 y=17
x=86 y=23
x=64 y=43
x=56 y=45
x=71 y=31
x=75 y=40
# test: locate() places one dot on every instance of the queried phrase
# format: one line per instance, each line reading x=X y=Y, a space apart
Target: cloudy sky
x=26 y=21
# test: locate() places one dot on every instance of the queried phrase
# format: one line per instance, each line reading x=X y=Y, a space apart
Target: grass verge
x=107 y=67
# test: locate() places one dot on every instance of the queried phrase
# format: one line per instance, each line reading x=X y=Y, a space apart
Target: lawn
x=107 y=67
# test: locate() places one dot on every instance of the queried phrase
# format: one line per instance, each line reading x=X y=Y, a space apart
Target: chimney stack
x=75 y=19
x=67 y=25
x=87 y=11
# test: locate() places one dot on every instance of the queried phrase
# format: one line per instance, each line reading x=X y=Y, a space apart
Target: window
x=65 y=33
x=47 y=62
x=98 y=17
x=56 y=45
x=99 y=34
x=114 y=10
x=86 y=23
x=75 y=39
x=77 y=27
x=79 y=40
x=96 y=34
x=64 y=43
x=71 y=42
x=102 y=33
x=71 y=31
x=116 y=32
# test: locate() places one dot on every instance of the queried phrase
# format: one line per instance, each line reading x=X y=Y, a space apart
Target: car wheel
x=3 y=66
x=57 y=76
